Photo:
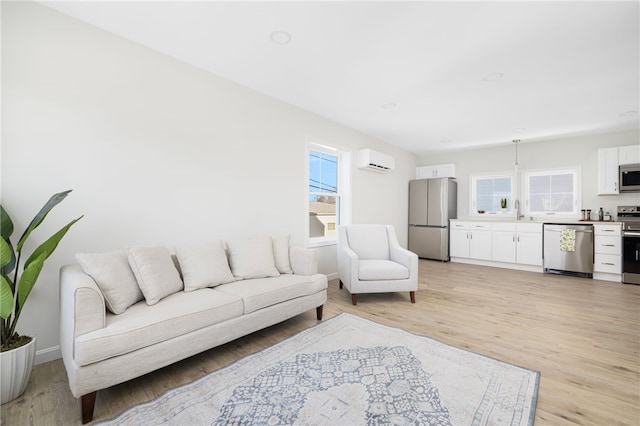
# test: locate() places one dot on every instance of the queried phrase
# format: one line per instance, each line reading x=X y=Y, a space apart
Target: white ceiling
x=568 y=68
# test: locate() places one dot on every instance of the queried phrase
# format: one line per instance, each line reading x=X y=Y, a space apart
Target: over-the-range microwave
x=630 y=178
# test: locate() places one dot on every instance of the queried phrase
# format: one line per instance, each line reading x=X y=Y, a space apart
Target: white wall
x=156 y=152
x=567 y=152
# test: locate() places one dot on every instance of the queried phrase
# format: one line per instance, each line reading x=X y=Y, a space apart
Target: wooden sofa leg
x=353 y=299
x=413 y=296
x=319 y=312
x=340 y=283
x=88 y=402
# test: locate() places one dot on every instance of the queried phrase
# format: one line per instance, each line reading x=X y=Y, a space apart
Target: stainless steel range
x=630 y=218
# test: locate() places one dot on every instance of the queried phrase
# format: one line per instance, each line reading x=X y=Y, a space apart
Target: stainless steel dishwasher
x=568 y=249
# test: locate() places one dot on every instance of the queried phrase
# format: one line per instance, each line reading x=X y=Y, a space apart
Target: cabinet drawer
x=607 y=230
x=606 y=244
x=470 y=225
x=530 y=227
x=609 y=263
x=504 y=227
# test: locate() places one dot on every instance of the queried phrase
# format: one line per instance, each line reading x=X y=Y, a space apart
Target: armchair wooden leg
x=340 y=283
x=88 y=403
x=412 y=294
x=353 y=299
x=319 y=312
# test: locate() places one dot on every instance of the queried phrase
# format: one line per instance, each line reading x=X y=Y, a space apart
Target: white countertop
x=498 y=219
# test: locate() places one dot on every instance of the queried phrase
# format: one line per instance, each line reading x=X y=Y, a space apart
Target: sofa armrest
x=82 y=307
x=348 y=265
x=404 y=257
x=304 y=261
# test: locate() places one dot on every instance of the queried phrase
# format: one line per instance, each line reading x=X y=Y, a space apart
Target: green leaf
x=6 y=298
x=48 y=247
x=37 y=220
x=28 y=279
x=6 y=225
x=6 y=253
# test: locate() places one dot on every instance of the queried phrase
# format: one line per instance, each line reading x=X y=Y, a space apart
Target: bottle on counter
x=607 y=216
x=600 y=214
x=588 y=214
x=584 y=214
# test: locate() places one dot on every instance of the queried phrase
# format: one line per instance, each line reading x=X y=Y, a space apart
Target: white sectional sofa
x=131 y=311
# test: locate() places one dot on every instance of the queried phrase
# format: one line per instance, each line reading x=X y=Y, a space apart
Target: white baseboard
x=518 y=266
x=48 y=354
x=332 y=276
x=607 y=277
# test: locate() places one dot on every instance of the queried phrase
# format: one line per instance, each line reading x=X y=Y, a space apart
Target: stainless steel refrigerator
x=432 y=202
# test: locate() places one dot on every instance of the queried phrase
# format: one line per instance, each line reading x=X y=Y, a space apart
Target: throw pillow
x=203 y=265
x=114 y=277
x=281 y=255
x=252 y=258
x=155 y=272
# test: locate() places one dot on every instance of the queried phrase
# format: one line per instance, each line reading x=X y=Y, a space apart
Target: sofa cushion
x=262 y=292
x=376 y=270
x=369 y=241
x=281 y=255
x=114 y=277
x=142 y=325
x=203 y=265
x=155 y=272
x=252 y=258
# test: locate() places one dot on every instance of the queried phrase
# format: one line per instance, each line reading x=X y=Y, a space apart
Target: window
x=327 y=185
x=488 y=190
x=552 y=192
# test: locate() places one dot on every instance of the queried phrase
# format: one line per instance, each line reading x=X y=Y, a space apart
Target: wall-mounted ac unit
x=373 y=160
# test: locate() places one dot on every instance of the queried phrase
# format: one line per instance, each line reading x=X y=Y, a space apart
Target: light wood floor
x=582 y=335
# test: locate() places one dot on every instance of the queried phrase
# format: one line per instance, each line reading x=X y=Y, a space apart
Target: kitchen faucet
x=516 y=205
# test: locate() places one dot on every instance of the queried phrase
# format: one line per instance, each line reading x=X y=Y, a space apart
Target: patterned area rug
x=350 y=371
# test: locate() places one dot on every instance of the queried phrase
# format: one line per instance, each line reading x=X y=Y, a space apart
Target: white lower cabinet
x=517 y=243
x=503 y=244
x=470 y=240
x=607 y=248
x=509 y=243
x=529 y=244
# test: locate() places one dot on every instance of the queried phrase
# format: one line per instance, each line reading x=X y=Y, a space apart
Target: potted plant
x=18 y=352
x=503 y=204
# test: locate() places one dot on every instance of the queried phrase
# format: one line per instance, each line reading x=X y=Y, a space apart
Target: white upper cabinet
x=437 y=171
x=608 y=171
x=629 y=154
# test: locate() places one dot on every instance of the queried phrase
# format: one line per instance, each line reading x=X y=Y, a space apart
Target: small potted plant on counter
x=503 y=204
x=18 y=351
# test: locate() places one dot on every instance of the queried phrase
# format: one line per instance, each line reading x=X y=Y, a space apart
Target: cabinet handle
x=513 y=238
x=608 y=245
x=607 y=263
x=607 y=230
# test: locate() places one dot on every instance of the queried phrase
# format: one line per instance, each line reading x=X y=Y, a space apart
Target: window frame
x=473 y=178
x=342 y=191
x=577 y=191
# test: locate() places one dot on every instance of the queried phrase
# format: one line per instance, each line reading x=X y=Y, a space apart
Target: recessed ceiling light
x=629 y=113
x=518 y=130
x=389 y=105
x=280 y=37
x=493 y=76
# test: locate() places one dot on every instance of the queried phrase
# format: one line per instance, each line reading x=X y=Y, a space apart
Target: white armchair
x=370 y=260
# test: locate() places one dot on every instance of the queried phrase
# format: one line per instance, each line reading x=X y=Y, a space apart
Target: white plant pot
x=16 y=366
